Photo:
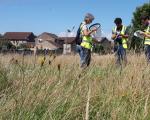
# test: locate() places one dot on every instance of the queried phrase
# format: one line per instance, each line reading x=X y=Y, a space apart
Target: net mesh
x=97 y=34
x=138 y=34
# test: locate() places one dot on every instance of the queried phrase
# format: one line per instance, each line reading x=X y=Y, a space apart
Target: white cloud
x=67 y=34
x=2 y=33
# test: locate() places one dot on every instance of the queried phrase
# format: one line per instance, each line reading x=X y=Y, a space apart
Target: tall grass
x=62 y=91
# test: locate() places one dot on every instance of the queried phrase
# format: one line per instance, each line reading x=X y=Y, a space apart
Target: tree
x=5 y=44
x=137 y=43
x=98 y=48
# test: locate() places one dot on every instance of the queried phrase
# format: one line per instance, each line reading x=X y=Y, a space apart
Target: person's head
x=118 y=22
x=145 y=20
x=88 y=18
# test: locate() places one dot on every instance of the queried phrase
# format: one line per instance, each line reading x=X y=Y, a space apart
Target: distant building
x=19 y=38
x=47 y=41
x=68 y=44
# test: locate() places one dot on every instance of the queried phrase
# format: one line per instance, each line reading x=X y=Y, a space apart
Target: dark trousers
x=147 y=52
x=120 y=54
x=86 y=57
x=79 y=50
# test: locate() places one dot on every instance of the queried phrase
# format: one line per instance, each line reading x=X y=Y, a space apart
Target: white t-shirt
x=84 y=27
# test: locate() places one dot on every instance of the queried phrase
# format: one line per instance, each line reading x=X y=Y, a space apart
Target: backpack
x=78 y=38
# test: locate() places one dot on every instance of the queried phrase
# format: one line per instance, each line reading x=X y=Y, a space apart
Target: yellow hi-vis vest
x=124 y=40
x=86 y=40
x=147 y=39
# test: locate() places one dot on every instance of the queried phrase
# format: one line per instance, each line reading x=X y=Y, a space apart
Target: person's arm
x=145 y=34
x=87 y=32
x=126 y=35
x=113 y=37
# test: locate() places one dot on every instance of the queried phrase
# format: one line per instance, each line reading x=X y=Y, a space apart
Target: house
x=68 y=44
x=20 y=38
x=47 y=41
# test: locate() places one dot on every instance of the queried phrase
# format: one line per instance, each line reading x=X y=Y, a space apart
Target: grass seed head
x=58 y=66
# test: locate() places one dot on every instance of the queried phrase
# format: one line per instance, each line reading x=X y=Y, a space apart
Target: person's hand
x=113 y=36
x=143 y=33
x=120 y=37
x=95 y=29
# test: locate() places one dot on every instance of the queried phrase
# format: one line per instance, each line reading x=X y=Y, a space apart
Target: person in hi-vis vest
x=86 y=44
x=146 y=22
x=120 y=37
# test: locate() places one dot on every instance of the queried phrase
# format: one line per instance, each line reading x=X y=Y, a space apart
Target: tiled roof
x=68 y=40
x=18 y=35
x=47 y=36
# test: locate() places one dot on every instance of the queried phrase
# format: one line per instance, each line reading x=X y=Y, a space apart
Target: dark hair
x=118 y=21
x=145 y=17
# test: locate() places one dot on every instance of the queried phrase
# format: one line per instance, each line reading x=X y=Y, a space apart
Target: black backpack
x=78 y=38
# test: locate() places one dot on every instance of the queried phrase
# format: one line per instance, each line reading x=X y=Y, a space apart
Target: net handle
x=99 y=25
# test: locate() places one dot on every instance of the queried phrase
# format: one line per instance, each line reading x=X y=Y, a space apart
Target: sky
x=56 y=16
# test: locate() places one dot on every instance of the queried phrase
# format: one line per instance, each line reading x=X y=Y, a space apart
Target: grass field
x=57 y=89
